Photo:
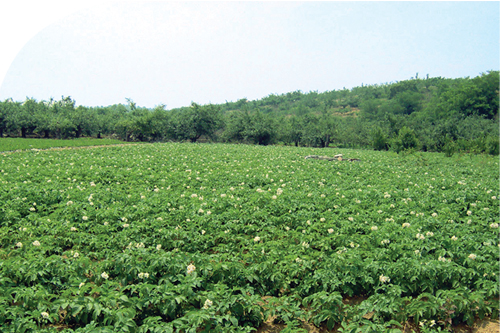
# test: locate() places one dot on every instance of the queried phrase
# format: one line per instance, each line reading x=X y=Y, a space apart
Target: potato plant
x=216 y=238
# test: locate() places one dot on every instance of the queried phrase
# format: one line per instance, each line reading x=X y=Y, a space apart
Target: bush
x=405 y=140
x=449 y=148
x=492 y=145
x=379 y=140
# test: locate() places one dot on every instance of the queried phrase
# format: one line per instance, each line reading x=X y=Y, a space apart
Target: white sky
x=172 y=53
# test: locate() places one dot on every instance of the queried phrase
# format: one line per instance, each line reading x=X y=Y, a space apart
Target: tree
x=236 y=123
x=319 y=131
x=379 y=139
x=23 y=117
x=405 y=140
x=7 y=109
x=410 y=101
x=63 y=126
x=260 y=129
x=478 y=96
x=198 y=121
x=84 y=120
x=44 y=117
x=291 y=130
x=370 y=109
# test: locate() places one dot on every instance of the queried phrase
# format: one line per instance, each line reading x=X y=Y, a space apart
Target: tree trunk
x=46 y=134
x=23 y=132
x=78 y=131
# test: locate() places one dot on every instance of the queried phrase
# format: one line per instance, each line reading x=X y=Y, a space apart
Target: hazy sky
x=173 y=53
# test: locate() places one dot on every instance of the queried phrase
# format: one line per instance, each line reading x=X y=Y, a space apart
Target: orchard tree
x=7 y=110
x=23 y=117
x=63 y=126
x=236 y=122
x=84 y=121
x=260 y=129
x=290 y=130
x=319 y=131
x=197 y=121
x=44 y=117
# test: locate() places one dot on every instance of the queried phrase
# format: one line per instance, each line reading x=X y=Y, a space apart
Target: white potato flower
x=104 y=275
x=208 y=303
x=191 y=268
x=382 y=278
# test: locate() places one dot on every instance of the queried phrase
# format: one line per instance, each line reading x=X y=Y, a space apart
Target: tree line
x=428 y=114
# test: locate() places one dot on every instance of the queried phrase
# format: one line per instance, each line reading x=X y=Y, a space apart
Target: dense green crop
x=189 y=238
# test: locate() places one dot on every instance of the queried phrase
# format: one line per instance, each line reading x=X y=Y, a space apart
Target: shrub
x=405 y=140
x=379 y=140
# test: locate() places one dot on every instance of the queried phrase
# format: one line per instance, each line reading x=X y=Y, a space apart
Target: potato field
x=178 y=237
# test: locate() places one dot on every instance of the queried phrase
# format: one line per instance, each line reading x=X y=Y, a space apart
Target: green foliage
x=478 y=96
x=198 y=121
x=379 y=139
x=405 y=140
x=449 y=148
x=438 y=110
x=218 y=238
x=492 y=145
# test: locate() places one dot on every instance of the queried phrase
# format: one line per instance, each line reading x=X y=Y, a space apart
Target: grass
x=13 y=144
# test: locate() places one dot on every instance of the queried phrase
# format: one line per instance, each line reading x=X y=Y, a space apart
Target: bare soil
x=486 y=325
